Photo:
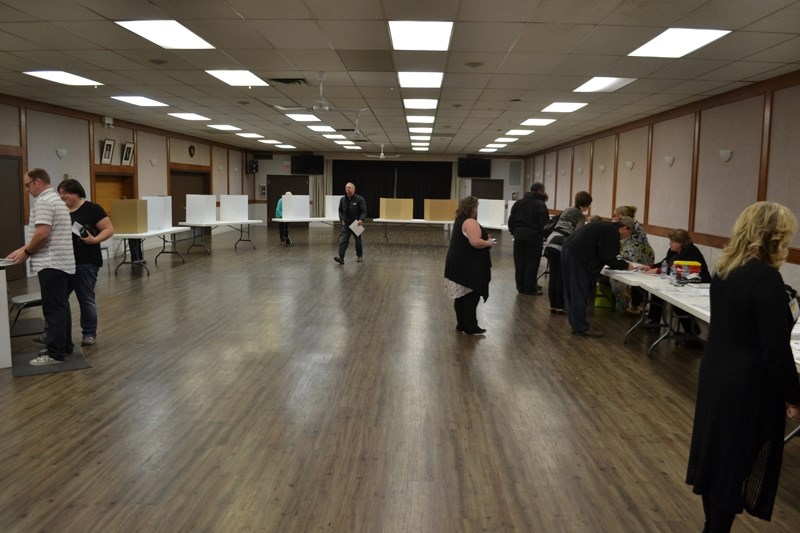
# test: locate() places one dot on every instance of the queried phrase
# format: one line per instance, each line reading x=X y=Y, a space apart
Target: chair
x=23 y=301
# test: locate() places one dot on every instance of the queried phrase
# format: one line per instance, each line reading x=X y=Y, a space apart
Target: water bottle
x=664 y=268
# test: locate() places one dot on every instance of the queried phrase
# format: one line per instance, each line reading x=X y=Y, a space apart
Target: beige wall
x=784 y=170
x=179 y=152
x=603 y=178
x=581 y=169
x=9 y=126
x=671 y=185
x=563 y=179
x=47 y=133
x=631 y=182
x=153 y=164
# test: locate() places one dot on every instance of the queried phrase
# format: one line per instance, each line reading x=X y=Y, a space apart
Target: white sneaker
x=44 y=359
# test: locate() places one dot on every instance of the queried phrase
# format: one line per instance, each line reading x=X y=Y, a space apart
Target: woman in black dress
x=468 y=267
x=748 y=381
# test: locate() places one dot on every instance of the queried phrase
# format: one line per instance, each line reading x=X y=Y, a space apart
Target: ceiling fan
x=383 y=155
x=321 y=105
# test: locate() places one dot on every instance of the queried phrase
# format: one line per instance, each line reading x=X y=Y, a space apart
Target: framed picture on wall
x=127 y=154
x=108 y=151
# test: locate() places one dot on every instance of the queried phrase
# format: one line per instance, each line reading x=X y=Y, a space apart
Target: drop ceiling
x=507 y=61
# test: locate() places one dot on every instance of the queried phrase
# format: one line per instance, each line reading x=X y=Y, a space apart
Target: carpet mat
x=20 y=366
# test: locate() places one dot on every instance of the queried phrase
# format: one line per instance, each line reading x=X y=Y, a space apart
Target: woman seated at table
x=635 y=249
x=681 y=248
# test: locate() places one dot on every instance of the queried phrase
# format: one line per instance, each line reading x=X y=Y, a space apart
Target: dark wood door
x=182 y=183
x=277 y=185
x=11 y=219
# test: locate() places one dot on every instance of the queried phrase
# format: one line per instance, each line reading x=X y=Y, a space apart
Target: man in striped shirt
x=52 y=258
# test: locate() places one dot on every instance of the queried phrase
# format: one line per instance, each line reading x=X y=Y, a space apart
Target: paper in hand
x=356 y=228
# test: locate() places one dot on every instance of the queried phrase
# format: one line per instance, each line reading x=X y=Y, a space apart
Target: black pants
x=135 y=246
x=54 y=285
x=344 y=241
x=527 y=255
x=283 y=229
x=467 y=311
x=686 y=321
x=555 y=285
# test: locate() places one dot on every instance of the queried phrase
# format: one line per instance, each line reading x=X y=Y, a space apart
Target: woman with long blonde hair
x=748 y=381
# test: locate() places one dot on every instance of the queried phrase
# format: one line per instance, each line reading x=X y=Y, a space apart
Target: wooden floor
x=274 y=390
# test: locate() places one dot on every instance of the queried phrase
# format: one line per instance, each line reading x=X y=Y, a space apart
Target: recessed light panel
x=169 y=34
x=505 y=140
x=269 y=141
x=238 y=78
x=420 y=119
x=420 y=80
x=677 y=42
x=285 y=146
x=355 y=147
x=64 y=78
x=496 y=145
x=250 y=135
x=303 y=117
x=224 y=127
x=420 y=103
x=419 y=149
x=420 y=35
x=600 y=84
x=141 y=101
x=538 y=122
x=420 y=137
x=188 y=116
x=488 y=150
x=420 y=130
x=563 y=107
x=344 y=143
x=321 y=129
x=334 y=136
x=520 y=132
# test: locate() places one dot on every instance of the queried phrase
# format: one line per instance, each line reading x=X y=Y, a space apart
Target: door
x=182 y=183
x=111 y=187
x=277 y=185
x=11 y=219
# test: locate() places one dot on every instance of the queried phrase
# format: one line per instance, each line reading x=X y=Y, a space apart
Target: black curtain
x=394 y=179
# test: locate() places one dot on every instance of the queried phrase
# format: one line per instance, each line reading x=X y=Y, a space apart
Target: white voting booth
x=201 y=208
x=296 y=206
x=491 y=213
x=159 y=212
x=332 y=206
x=233 y=207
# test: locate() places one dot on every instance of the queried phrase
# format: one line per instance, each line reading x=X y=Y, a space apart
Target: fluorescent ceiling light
x=344 y=143
x=677 y=42
x=420 y=130
x=250 y=135
x=286 y=146
x=505 y=139
x=416 y=35
x=488 y=150
x=563 y=107
x=169 y=34
x=600 y=84
x=419 y=149
x=420 y=103
x=188 y=116
x=334 y=136
x=64 y=78
x=224 y=127
x=321 y=128
x=420 y=119
x=140 y=101
x=303 y=117
x=420 y=80
x=238 y=78
x=537 y=122
x=496 y=145
x=355 y=147
x=420 y=137
x=421 y=144
x=269 y=141
x=520 y=132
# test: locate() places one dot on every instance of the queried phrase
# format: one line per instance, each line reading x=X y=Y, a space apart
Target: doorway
x=277 y=185
x=108 y=187
x=11 y=217
x=181 y=183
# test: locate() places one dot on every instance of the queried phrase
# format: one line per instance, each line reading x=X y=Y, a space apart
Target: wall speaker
x=252 y=166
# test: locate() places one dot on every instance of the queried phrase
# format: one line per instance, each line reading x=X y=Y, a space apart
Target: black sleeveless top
x=465 y=265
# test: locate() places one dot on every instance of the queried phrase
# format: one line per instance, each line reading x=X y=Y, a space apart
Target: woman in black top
x=467 y=269
x=96 y=228
x=748 y=382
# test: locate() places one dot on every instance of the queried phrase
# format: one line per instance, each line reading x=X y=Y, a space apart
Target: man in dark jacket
x=352 y=208
x=525 y=222
x=583 y=256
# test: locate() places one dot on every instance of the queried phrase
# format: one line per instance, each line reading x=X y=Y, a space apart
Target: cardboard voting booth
x=491 y=212
x=159 y=212
x=233 y=207
x=129 y=216
x=440 y=209
x=397 y=208
x=296 y=206
x=201 y=208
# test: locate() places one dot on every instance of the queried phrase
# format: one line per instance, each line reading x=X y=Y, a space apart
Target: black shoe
x=288 y=241
x=338 y=259
x=475 y=331
x=588 y=333
x=537 y=291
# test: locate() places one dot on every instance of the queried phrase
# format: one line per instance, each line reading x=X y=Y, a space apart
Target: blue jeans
x=344 y=241
x=577 y=290
x=83 y=283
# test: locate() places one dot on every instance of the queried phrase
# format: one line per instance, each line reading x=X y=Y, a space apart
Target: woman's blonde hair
x=467 y=206
x=626 y=211
x=763 y=231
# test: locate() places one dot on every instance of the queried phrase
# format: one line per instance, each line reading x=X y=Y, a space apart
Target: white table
x=5 y=333
x=198 y=237
x=160 y=233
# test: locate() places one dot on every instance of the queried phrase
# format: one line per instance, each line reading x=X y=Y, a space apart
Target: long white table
x=198 y=237
x=160 y=233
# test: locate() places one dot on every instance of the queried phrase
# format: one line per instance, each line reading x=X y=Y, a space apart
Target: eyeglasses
x=28 y=183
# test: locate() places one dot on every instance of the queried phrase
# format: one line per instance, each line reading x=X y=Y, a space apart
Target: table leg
x=242 y=233
x=642 y=316
x=125 y=257
x=165 y=251
x=198 y=241
x=794 y=433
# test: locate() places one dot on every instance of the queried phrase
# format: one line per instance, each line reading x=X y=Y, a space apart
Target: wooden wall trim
x=766 y=138
x=185 y=167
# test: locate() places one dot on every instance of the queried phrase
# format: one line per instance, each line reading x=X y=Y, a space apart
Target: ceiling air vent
x=287 y=81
